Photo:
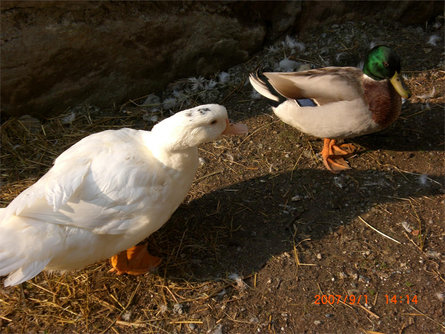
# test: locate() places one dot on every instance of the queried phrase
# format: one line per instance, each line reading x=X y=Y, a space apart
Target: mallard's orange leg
x=333 y=155
x=134 y=261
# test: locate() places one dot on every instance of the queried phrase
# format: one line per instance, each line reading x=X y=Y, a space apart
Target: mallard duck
x=105 y=194
x=338 y=102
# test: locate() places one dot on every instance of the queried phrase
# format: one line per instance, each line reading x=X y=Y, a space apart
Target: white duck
x=105 y=194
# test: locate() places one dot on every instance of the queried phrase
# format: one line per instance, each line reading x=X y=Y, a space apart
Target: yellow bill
x=400 y=86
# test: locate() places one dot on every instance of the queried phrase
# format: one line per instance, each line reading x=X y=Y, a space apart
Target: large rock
x=406 y=12
x=60 y=54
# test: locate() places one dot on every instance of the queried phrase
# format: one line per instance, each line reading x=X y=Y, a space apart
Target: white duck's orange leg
x=134 y=261
x=333 y=155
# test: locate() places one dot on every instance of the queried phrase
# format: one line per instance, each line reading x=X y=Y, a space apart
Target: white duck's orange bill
x=235 y=129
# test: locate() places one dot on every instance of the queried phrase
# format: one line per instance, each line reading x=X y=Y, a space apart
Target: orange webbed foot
x=343 y=149
x=134 y=261
x=333 y=154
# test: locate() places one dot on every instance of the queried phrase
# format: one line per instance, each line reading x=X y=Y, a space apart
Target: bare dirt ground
x=267 y=235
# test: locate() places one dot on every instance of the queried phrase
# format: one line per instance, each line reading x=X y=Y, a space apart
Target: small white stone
x=433 y=254
x=218 y=330
x=178 y=308
x=423 y=179
x=239 y=282
x=296 y=198
x=126 y=316
x=337 y=182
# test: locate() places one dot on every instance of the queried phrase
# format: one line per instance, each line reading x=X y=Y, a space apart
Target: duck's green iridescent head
x=383 y=63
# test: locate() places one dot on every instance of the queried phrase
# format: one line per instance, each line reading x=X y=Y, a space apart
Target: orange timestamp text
x=357 y=299
x=336 y=299
x=400 y=299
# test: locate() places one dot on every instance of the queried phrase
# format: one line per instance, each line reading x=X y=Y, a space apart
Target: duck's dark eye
x=213 y=122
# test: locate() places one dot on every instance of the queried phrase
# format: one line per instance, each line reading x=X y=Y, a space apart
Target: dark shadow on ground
x=238 y=228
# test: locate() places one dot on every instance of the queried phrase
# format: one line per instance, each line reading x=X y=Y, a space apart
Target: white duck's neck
x=171 y=155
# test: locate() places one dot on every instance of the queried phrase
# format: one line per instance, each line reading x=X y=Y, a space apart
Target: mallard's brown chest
x=384 y=102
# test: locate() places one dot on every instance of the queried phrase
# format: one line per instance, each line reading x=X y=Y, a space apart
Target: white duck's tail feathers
x=261 y=84
x=9 y=263
x=19 y=269
x=23 y=255
x=25 y=272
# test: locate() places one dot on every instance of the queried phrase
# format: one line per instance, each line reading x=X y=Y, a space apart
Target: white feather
x=223 y=77
x=286 y=65
x=433 y=39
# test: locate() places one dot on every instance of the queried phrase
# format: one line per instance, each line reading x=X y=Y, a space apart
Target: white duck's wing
x=93 y=185
x=20 y=227
x=54 y=189
x=325 y=85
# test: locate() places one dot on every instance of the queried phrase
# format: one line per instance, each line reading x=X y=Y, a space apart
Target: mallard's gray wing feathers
x=324 y=85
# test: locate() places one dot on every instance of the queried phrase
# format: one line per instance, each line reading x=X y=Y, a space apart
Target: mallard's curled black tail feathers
x=262 y=85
